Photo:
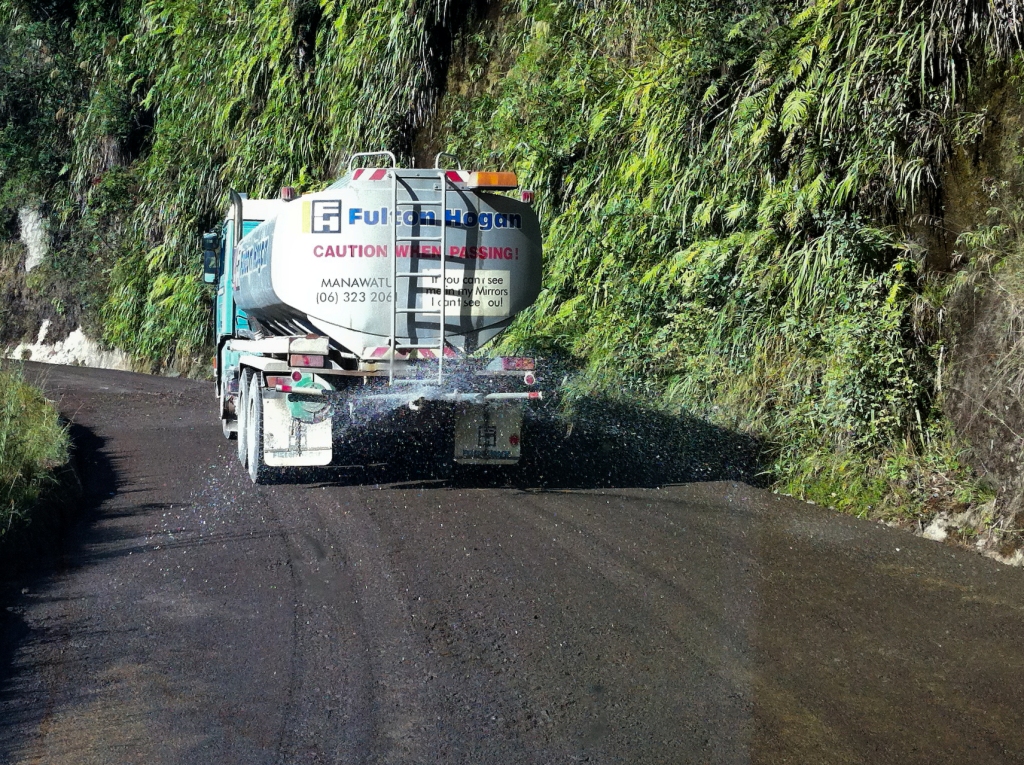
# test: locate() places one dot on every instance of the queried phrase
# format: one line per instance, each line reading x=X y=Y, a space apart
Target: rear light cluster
x=517 y=364
x=302 y=360
x=290 y=385
x=276 y=381
x=513 y=364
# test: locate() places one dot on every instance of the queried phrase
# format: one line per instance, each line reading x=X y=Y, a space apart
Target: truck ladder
x=410 y=313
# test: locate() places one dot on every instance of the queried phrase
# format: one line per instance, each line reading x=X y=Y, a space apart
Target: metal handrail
x=437 y=160
x=444 y=275
x=394 y=276
x=357 y=155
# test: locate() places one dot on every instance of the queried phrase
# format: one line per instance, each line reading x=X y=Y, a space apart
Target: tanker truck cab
x=229 y=321
x=374 y=295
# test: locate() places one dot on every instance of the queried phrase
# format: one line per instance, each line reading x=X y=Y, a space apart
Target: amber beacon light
x=488 y=181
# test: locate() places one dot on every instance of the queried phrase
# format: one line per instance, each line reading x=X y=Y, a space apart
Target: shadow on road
x=604 y=444
x=40 y=544
x=35 y=554
x=611 y=444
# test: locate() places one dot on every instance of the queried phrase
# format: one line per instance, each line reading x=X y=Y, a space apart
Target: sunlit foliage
x=32 y=444
x=728 y=197
x=728 y=189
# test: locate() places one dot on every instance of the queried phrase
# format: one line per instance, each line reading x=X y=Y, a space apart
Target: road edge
x=37 y=541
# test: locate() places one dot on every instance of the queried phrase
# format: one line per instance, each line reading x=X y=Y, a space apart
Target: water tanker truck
x=373 y=295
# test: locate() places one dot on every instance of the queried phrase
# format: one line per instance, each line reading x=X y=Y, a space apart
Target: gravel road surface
x=366 y=617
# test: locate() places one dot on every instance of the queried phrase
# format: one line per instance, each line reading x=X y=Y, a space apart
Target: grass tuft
x=33 y=443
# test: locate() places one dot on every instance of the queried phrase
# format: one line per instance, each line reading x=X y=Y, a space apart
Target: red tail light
x=517 y=364
x=301 y=360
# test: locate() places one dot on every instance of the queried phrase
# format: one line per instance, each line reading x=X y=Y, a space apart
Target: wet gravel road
x=195 y=618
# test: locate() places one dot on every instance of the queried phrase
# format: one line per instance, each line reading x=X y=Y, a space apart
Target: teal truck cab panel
x=229 y=319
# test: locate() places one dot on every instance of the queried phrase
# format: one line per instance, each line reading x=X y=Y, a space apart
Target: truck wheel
x=228 y=426
x=258 y=470
x=242 y=409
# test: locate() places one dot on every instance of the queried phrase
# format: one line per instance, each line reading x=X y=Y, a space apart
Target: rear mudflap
x=289 y=441
x=489 y=434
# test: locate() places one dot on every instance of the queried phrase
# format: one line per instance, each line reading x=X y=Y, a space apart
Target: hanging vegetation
x=732 y=194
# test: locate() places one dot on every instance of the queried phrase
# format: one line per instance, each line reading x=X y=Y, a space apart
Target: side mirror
x=211 y=258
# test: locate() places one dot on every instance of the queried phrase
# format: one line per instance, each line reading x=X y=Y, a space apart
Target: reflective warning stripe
x=379 y=174
x=424 y=353
x=384 y=351
x=376 y=174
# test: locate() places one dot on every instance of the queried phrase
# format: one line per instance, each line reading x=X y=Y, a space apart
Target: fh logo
x=326 y=216
x=486 y=437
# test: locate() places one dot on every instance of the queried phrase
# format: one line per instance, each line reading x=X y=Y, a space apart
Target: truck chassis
x=287 y=415
x=286 y=397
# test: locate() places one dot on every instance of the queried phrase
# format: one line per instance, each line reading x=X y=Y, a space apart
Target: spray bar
x=467 y=398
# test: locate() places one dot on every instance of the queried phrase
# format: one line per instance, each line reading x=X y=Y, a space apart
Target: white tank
x=324 y=263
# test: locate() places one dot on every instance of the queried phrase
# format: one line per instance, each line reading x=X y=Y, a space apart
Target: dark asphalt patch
x=383 y=615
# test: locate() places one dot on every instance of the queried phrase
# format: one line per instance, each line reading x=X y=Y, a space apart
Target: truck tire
x=228 y=425
x=258 y=470
x=241 y=409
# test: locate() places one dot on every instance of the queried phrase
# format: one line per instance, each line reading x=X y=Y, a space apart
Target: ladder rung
x=424 y=202
x=418 y=273
x=418 y=238
x=426 y=311
x=418 y=347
